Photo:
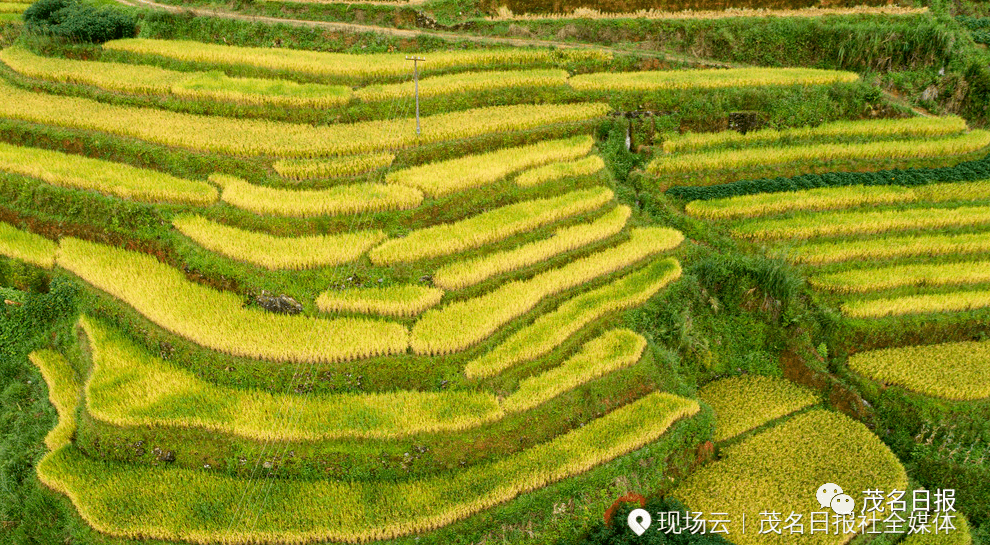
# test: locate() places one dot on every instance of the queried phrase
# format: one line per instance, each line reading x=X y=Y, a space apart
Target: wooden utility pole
x=416 y=61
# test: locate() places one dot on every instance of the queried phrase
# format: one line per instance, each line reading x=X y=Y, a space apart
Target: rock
x=569 y=31
x=518 y=31
x=930 y=93
x=282 y=304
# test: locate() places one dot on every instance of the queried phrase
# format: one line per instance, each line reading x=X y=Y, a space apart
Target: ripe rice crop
x=399 y=300
x=342 y=199
x=279 y=139
x=563 y=169
x=487 y=227
x=553 y=328
x=130 y=387
x=161 y=500
x=895 y=276
x=891 y=247
x=959 y=301
x=13 y=7
x=277 y=252
x=747 y=402
x=918 y=127
x=505 y=14
x=707 y=79
x=460 y=325
x=344 y=65
x=118 y=179
x=27 y=247
x=784 y=466
x=869 y=222
x=63 y=392
x=822 y=198
x=465 y=82
x=337 y=167
x=766 y=156
x=453 y=175
x=462 y=274
x=610 y=352
x=833 y=198
x=152 y=80
x=218 y=320
x=954 y=371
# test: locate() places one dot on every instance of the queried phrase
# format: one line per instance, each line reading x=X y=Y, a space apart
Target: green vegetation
x=277 y=252
x=747 y=402
x=959 y=369
x=63 y=391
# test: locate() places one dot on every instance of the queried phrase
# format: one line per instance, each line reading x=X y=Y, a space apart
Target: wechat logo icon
x=639 y=520
x=831 y=495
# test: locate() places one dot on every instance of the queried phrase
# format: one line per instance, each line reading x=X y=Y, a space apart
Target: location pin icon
x=639 y=520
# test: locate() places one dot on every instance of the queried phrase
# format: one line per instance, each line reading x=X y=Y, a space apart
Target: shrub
x=78 y=21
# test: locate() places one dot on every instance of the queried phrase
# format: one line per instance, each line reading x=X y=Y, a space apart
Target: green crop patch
x=63 y=392
x=277 y=252
x=218 y=320
x=553 y=328
x=747 y=402
x=453 y=175
x=460 y=325
x=956 y=371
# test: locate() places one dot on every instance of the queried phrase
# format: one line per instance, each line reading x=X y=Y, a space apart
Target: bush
x=78 y=22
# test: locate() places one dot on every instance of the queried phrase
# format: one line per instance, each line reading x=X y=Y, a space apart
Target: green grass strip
x=345 y=65
x=557 y=171
x=63 y=392
x=891 y=247
x=747 y=402
x=462 y=324
x=784 y=466
x=28 y=247
x=453 y=175
x=959 y=301
x=956 y=371
x=400 y=300
x=875 y=129
x=488 y=227
x=611 y=351
x=462 y=274
x=465 y=82
x=279 y=139
x=130 y=387
x=553 y=328
x=152 y=80
x=805 y=226
x=168 y=503
x=834 y=198
x=117 y=179
x=277 y=253
x=341 y=199
x=707 y=79
x=768 y=156
x=308 y=169
x=218 y=320
x=895 y=276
